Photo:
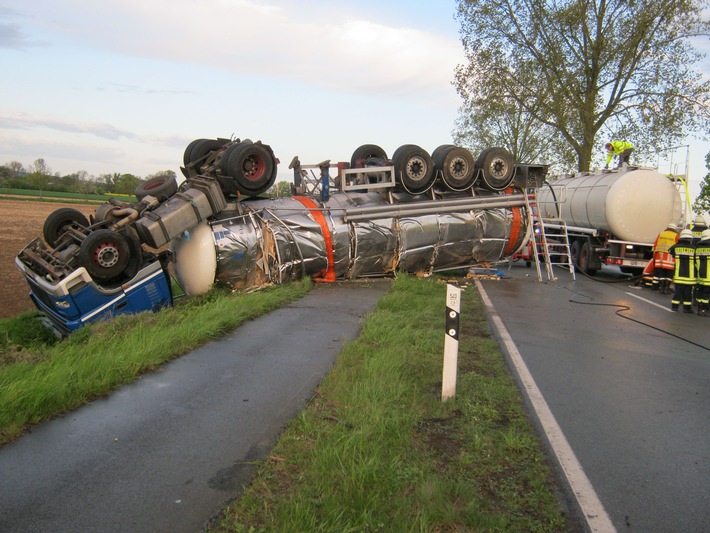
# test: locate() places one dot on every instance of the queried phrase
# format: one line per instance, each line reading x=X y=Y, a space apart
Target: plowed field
x=21 y=221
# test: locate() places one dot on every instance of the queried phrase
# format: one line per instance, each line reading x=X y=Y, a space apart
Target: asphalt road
x=168 y=451
x=632 y=398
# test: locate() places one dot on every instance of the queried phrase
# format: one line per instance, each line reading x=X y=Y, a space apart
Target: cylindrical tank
x=257 y=242
x=631 y=204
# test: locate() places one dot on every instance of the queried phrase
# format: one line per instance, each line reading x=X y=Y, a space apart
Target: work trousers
x=683 y=293
x=662 y=278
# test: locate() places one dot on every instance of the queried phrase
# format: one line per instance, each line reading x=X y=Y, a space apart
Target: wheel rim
x=459 y=168
x=498 y=168
x=416 y=169
x=254 y=167
x=106 y=255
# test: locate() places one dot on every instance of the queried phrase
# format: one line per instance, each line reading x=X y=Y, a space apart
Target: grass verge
x=377 y=450
x=41 y=378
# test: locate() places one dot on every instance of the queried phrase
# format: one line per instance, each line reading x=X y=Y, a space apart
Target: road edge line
x=587 y=499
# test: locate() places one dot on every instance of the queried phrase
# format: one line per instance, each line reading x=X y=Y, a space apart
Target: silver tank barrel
x=632 y=204
x=362 y=234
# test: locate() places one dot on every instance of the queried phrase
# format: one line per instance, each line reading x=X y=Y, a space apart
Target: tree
x=40 y=175
x=702 y=202
x=16 y=167
x=126 y=184
x=162 y=173
x=508 y=125
x=282 y=189
x=587 y=67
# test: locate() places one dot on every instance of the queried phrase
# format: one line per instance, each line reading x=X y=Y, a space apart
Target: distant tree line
x=40 y=177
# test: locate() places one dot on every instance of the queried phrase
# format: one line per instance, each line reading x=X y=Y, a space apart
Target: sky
x=124 y=85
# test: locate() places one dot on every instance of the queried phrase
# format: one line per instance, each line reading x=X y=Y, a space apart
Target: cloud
x=330 y=46
x=12 y=35
x=23 y=121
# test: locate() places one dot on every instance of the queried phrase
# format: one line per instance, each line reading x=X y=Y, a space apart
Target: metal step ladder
x=549 y=239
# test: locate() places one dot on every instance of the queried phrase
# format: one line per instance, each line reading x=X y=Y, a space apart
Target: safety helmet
x=686 y=234
x=672 y=226
x=700 y=221
x=705 y=235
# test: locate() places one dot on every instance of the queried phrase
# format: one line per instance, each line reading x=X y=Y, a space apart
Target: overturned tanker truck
x=374 y=216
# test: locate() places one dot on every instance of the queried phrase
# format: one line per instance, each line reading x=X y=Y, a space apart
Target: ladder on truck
x=549 y=239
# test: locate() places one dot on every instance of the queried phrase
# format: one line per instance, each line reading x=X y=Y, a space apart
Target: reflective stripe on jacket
x=702 y=260
x=684 y=254
x=661 y=257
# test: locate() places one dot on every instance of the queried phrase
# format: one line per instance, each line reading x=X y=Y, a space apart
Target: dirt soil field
x=23 y=221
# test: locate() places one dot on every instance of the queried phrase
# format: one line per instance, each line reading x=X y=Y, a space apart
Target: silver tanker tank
x=632 y=204
x=354 y=235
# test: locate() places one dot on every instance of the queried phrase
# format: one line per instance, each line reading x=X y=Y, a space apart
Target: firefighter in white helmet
x=663 y=262
x=684 y=276
x=702 y=259
x=699 y=225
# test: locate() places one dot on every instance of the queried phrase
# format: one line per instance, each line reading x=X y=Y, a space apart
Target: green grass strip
x=41 y=379
x=377 y=450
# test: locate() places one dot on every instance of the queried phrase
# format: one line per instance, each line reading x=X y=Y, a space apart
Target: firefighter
x=699 y=225
x=702 y=258
x=622 y=149
x=684 y=276
x=663 y=262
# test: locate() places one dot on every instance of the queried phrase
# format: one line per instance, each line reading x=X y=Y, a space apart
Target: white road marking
x=664 y=307
x=597 y=518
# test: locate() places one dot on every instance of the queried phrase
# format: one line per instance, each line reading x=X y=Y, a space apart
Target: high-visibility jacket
x=617 y=148
x=684 y=253
x=661 y=255
x=697 y=230
x=702 y=261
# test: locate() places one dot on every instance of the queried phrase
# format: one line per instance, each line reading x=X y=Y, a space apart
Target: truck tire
x=59 y=221
x=585 y=255
x=160 y=187
x=252 y=167
x=457 y=168
x=368 y=155
x=199 y=148
x=574 y=252
x=436 y=154
x=496 y=166
x=414 y=170
x=105 y=254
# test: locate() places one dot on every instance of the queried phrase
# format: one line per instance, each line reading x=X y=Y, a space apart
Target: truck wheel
x=574 y=252
x=496 y=165
x=160 y=187
x=105 y=254
x=585 y=255
x=414 y=168
x=368 y=155
x=457 y=168
x=59 y=221
x=251 y=165
x=436 y=154
x=199 y=148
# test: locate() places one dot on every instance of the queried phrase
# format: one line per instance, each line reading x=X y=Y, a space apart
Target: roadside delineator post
x=451 y=342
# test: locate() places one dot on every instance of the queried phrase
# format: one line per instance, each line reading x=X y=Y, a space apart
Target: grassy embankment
x=375 y=449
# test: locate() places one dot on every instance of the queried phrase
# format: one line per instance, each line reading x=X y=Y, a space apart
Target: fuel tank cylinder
x=349 y=236
x=632 y=204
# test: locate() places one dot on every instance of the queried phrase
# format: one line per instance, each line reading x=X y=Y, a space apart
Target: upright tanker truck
x=614 y=216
